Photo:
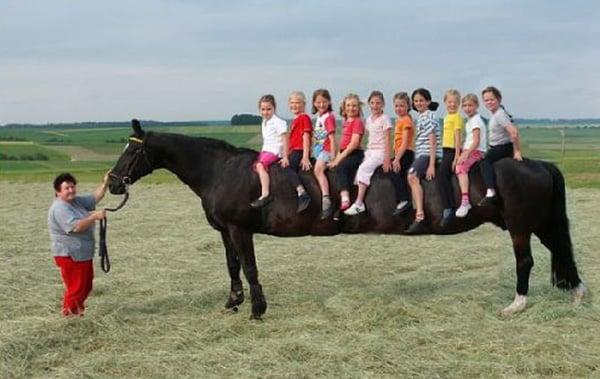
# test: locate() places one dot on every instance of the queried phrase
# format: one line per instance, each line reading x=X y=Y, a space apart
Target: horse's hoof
x=518 y=305
x=256 y=317
x=579 y=293
x=230 y=311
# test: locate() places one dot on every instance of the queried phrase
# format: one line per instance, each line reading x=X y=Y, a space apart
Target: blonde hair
x=350 y=96
x=402 y=96
x=452 y=92
x=471 y=97
x=298 y=94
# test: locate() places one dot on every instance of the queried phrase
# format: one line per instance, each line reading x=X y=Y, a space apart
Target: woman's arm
x=83 y=224
x=101 y=190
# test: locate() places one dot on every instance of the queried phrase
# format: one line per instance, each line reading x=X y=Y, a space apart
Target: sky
x=112 y=60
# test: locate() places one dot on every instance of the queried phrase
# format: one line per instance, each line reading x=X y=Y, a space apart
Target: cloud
x=72 y=61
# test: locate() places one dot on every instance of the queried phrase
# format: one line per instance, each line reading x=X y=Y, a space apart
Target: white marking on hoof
x=579 y=293
x=518 y=305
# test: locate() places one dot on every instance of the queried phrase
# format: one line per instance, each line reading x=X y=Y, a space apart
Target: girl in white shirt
x=474 y=149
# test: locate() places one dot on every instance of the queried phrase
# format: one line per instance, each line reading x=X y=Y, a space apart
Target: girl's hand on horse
x=284 y=162
x=305 y=164
x=387 y=165
x=454 y=163
x=396 y=166
x=517 y=155
x=333 y=163
x=430 y=173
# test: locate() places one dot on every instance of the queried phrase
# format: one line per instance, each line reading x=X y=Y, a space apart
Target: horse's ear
x=137 y=128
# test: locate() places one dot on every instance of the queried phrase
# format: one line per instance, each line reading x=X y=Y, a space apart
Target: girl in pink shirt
x=378 y=150
x=351 y=153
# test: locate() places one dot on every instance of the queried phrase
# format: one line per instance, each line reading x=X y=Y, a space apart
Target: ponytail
x=510 y=117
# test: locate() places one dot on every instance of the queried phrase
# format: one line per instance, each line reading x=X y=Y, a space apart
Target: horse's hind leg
x=564 y=270
x=236 y=293
x=243 y=245
x=524 y=261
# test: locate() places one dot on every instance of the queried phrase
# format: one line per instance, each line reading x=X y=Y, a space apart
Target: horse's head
x=133 y=162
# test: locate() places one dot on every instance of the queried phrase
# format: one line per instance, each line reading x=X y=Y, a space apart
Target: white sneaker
x=355 y=209
x=463 y=210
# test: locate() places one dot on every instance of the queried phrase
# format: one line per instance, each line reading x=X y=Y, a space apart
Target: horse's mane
x=204 y=142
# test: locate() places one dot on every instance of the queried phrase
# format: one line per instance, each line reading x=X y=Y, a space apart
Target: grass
x=345 y=306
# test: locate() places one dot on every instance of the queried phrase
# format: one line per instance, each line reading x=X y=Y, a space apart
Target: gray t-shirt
x=498 y=135
x=62 y=218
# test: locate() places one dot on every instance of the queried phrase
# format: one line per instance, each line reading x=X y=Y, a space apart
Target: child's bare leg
x=465 y=205
x=362 y=191
x=345 y=200
x=320 y=167
x=417 y=195
x=463 y=182
x=263 y=176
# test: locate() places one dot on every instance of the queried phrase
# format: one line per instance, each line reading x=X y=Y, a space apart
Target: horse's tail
x=557 y=236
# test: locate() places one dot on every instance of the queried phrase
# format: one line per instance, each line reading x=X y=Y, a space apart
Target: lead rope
x=103 y=250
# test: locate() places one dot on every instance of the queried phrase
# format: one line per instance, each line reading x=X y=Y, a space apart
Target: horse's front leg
x=236 y=292
x=524 y=261
x=244 y=246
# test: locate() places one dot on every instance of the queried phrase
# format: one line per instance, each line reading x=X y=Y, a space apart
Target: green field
x=352 y=306
x=88 y=152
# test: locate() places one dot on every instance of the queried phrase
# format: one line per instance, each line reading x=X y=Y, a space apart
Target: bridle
x=126 y=180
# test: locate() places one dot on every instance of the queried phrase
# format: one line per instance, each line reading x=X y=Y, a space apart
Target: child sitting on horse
x=473 y=149
x=275 y=147
x=503 y=140
x=428 y=151
x=451 y=144
x=351 y=153
x=324 y=145
x=378 y=150
x=299 y=141
x=404 y=151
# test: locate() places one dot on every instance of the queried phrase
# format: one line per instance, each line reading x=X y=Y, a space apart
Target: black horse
x=533 y=195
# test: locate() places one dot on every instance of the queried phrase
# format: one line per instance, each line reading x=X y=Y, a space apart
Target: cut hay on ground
x=345 y=306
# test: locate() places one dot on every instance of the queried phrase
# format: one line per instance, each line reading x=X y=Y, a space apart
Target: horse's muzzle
x=117 y=185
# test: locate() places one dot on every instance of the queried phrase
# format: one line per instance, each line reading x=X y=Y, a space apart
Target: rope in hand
x=103 y=250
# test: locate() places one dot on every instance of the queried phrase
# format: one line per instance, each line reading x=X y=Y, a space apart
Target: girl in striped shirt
x=427 y=150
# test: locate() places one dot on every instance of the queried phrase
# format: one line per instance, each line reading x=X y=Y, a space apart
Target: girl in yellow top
x=451 y=143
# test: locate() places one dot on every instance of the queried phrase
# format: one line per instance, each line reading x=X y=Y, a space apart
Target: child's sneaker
x=402 y=207
x=463 y=210
x=303 y=201
x=355 y=209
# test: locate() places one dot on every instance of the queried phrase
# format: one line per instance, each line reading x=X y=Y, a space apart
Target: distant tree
x=245 y=119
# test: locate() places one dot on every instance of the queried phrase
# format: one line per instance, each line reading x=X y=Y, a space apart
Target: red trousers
x=77 y=278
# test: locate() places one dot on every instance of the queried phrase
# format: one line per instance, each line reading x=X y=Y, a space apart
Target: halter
x=103 y=249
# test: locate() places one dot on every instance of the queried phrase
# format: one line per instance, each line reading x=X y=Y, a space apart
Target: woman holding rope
x=71 y=220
